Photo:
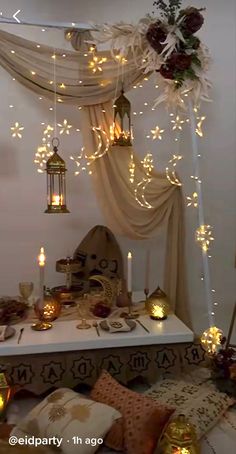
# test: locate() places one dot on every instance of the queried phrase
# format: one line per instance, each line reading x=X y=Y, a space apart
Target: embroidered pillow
x=143 y=419
x=80 y=423
x=202 y=404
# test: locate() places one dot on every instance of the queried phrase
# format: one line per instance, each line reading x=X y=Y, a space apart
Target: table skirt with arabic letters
x=41 y=372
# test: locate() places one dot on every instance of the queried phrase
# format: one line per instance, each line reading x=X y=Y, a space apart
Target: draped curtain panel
x=95 y=92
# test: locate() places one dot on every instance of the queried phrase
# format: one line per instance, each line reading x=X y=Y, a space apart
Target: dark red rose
x=167 y=71
x=156 y=35
x=193 y=20
x=180 y=61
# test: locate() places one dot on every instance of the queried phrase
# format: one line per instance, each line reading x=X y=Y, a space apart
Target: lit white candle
x=129 y=272
x=147 y=269
x=41 y=262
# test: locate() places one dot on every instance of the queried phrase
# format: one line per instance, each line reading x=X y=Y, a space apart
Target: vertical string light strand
x=55 y=92
x=201 y=219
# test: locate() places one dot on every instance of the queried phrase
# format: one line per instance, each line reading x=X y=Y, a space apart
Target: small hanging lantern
x=5 y=393
x=179 y=438
x=56 y=182
x=122 y=129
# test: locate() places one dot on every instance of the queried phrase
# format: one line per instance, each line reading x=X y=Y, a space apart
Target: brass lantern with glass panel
x=56 y=182
x=122 y=122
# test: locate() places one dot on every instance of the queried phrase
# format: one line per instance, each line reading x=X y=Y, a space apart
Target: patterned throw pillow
x=143 y=419
x=80 y=422
x=202 y=404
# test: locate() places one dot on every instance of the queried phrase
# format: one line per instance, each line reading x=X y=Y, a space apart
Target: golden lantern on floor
x=179 y=438
x=157 y=305
x=56 y=182
x=122 y=129
x=5 y=393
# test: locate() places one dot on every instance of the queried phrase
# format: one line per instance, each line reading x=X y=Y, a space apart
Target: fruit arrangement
x=101 y=310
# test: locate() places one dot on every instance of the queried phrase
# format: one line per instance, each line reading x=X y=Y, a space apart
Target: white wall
x=23 y=225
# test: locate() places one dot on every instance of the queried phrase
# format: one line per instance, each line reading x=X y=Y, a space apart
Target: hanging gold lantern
x=157 y=305
x=122 y=130
x=5 y=393
x=179 y=438
x=56 y=182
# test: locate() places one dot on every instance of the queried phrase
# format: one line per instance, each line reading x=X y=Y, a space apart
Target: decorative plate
x=10 y=331
x=130 y=323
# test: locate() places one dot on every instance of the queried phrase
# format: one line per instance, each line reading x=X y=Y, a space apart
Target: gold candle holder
x=131 y=314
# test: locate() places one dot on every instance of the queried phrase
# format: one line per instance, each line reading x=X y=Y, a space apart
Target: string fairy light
x=83 y=162
x=148 y=163
x=177 y=123
x=157 y=133
x=17 y=130
x=204 y=236
x=131 y=168
x=199 y=131
x=96 y=63
x=171 y=172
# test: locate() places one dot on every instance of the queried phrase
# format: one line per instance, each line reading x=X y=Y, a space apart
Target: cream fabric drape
x=33 y=67
x=126 y=216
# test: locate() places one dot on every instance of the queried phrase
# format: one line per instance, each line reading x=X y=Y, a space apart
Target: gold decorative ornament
x=211 y=339
x=157 y=305
x=56 y=182
x=68 y=266
x=5 y=394
x=47 y=311
x=179 y=438
x=109 y=290
x=121 y=132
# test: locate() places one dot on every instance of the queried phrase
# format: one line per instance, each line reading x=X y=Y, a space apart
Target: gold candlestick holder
x=131 y=314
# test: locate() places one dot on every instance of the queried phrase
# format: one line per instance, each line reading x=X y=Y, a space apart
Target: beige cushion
x=202 y=404
x=66 y=414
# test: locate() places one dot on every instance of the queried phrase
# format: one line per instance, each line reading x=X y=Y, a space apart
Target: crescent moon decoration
x=99 y=133
x=44 y=150
x=140 y=193
x=171 y=173
x=107 y=286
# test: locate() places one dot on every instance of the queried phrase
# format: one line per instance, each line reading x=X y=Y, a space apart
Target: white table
x=64 y=336
x=66 y=356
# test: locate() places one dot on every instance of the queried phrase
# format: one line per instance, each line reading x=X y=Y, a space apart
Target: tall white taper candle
x=41 y=261
x=129 y=272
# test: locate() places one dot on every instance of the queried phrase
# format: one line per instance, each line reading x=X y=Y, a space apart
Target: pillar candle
x=129 y=272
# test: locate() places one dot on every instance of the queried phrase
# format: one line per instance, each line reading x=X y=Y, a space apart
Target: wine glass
x=26 y=290
x=82 y=308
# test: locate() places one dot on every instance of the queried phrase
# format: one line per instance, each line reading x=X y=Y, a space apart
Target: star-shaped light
x=177 y=123
x=193 y=201
x=16 y=130
x=96 y=62
x=199 y=131
x=157 y=133
x=204 y=236
x=83 y=162
x=48 y=130
x=65 y=127
x=41 y=156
